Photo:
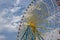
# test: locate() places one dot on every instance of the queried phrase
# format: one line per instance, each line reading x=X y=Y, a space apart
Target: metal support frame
x=28 y=35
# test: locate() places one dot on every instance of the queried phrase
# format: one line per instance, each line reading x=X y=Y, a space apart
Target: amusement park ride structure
x=32 y=19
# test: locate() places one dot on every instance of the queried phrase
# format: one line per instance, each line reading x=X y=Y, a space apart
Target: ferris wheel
x=34 y=21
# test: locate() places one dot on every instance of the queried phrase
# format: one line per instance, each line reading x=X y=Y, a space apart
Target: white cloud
x=17 y=2
x=2 y=13
x=5 y=23
x=16 y=18
x=2 y=37
x=15 y=9
x=13 y=25
x=58 y=21
x=10 y=26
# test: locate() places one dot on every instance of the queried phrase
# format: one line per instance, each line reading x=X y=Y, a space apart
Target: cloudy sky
x=10 y=11
x=10 y=15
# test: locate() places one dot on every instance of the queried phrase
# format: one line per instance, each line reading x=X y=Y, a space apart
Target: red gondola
x=58 y=39
x=58 y=2
x=59 y=32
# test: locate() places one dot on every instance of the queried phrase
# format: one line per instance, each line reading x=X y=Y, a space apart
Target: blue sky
x=10 y=11
x=10 y=15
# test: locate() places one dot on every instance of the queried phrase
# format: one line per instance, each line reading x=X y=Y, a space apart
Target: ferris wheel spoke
x=34 y=16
